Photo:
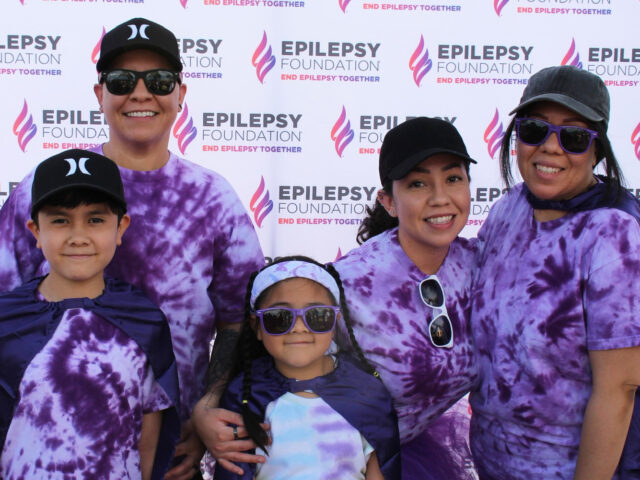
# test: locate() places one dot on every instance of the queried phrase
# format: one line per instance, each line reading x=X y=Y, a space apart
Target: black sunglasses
x=123 y=82
x=280 y=320
x=440 y=329
x=534 y=132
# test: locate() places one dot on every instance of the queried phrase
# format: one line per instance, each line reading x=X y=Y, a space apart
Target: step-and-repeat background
x=290 y=99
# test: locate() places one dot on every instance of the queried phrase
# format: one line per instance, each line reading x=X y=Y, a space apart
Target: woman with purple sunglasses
x=408 y=286
x=556 y=295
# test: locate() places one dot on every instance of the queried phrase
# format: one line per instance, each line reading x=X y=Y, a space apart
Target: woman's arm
x=151 y=424
x=616 y=375
x=373 y=469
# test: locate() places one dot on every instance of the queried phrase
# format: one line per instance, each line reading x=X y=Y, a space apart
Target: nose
x=439 y=195
x=552 y=143
x=78 y=235
x=140 y=91
x=299 y=325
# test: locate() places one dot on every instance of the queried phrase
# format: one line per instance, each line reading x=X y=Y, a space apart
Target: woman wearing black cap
x=408 y=287
x=555 y=296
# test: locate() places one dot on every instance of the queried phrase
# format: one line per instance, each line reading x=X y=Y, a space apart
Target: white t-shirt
x=311 y=441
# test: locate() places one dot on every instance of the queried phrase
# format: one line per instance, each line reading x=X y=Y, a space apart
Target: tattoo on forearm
x=222 y=359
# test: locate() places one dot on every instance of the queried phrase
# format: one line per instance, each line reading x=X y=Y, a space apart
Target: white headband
x=292 y=269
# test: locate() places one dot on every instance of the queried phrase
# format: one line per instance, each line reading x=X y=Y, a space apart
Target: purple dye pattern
x=390 y=323
x=82 y=399
x=190 y=247
x=545 y=294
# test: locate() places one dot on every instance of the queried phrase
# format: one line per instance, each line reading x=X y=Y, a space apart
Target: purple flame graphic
x=420 y=63
x=493 y=135
x=635 y=139
x=341 y=133
x=572 y=57
x=260 y=208
x=184 y=135
x=266 y=63
x=184 y=3
x=95 y=53
x=343 y=5
x=498 y=5
x=28 y=129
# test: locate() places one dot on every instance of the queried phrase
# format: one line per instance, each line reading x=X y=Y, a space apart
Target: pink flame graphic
x=420 y=63
x=184 y=3
x=95 y=53
x=572 y=57
x=635 y=139
x=338 y=255
x=498 y=5
x=184 y=135
x=493 y=135
x=262 y=208
x=266 y=63
x=25 y=132
x=22 y=2
x=343 y=5
x=341 y=133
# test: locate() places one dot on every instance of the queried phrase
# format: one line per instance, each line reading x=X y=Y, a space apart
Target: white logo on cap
x=135 y=32
x=73 y=166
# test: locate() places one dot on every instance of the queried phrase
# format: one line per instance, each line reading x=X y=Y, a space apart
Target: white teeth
x=140 y=114
x=544 y=169
x=443 y=219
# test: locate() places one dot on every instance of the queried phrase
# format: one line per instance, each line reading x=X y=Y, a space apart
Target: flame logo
x=95 y=53
x=572 y=57
x=24 y=128
x=343 y=5
x=338 y=255
x=184 y=3
x=263 y=60
x=420 y=63
x=635 y=139
x=184 y=133
x=261 y=205
x=493 y=135
x=498 y=5
x=341 y=133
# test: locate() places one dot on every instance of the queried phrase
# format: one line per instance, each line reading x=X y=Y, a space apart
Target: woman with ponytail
x=330 y=416
x=408 y=287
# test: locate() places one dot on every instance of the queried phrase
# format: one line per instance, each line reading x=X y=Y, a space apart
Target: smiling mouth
x=545 y=169
x=440 y=220
x=140 y=114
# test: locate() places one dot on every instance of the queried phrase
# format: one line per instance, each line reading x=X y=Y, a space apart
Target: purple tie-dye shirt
x=390 y=323
x=191 y=247
x=545 y=294
x=82 y=399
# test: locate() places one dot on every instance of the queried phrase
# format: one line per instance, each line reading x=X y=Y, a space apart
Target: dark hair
x=615 y=183
x=378 y=219
x=250 y=348
x=73 y=197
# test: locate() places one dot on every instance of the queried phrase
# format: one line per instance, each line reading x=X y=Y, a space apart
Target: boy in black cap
x=191 y=246
x=88 y=381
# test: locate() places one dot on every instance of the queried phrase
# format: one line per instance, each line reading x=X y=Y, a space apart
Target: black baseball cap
x=76 y=169
x=415 y=140
x=580 y=91
x=139 y=33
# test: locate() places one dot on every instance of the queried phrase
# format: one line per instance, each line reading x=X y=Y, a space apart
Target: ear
x=387 y=202
x=255 y=326
x=182 y=91
x=125 y=221
x=35 y=231
x=97 y=90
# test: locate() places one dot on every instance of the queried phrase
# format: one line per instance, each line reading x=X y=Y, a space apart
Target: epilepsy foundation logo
x=184 y=130
x=343 y=5
x=261 y=205
x=572 y=56
x=498 y=5
x=341 y=133
x=493 y=135
x=95 y=53
x=263 y=59
x=184 y=3
x=24 y=128
x=635 y=140
x=420 y=63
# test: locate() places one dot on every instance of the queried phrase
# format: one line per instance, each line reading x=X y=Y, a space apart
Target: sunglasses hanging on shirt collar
x=440 y=329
